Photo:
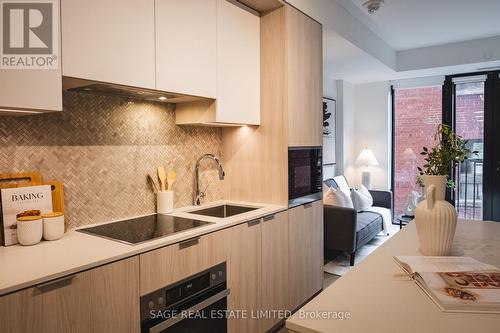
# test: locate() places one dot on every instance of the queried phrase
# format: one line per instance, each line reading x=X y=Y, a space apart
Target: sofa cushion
x=368 y=225
x=337 y=198
x=361 y=198
x=342 y=184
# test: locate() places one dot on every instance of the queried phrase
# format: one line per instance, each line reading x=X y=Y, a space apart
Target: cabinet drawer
x=172 y=263
x=103 y=299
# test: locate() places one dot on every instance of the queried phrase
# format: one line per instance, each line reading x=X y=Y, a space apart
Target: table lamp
x=366 y=158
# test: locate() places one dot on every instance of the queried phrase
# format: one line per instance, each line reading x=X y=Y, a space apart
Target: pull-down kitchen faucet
x=198 y=195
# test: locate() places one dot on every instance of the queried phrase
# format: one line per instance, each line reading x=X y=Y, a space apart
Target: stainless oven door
x=205 y=312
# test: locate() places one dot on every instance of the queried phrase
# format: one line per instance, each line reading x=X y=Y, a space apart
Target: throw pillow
x=361 y=198
x=337 y=198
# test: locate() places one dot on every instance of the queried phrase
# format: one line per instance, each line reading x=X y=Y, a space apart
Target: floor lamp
x=366 y=158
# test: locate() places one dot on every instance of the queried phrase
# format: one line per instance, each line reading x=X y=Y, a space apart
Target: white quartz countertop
x=26 y=266
x=380 y=302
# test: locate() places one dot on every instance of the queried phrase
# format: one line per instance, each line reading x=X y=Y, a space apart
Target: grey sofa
x=347 y=230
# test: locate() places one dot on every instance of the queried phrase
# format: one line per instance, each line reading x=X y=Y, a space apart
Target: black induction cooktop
x=144 y=228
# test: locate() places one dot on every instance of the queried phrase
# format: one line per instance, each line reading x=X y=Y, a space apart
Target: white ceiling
x=409 y=24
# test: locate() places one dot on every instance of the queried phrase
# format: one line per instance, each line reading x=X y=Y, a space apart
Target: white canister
x=53 y=225
x=165 y=202
x=29 y=230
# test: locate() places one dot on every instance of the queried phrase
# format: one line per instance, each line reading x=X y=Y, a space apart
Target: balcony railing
x=469 y=191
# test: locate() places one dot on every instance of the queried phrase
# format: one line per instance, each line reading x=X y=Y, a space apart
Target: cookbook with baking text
x=23 y=201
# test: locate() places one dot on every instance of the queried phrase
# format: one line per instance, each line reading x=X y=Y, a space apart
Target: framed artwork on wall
x=329 y=130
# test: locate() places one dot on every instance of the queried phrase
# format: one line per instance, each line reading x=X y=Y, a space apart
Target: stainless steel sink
x=223 y=211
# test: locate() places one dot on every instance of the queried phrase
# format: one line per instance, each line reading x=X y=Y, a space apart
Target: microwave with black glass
x=304 y=175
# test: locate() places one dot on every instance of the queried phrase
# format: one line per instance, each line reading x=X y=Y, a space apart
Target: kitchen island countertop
x=379 y=301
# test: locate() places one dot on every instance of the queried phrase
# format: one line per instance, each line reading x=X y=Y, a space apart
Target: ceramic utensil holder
x=165 y=202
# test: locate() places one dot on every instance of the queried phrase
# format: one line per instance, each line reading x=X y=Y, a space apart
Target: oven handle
x=200 y=306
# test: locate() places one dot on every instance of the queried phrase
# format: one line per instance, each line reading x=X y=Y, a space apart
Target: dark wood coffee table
x=404 y=220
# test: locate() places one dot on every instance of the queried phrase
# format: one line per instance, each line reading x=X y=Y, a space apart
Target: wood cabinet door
x=306 y=251
x=186 y=42
x=244 y=276
x=164 y=266
x=275 y=269
x=103 y=299
x=305 y=79
x=238 y=65
x=109 y=41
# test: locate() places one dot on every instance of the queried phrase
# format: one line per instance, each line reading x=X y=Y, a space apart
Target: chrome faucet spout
x=198 y=195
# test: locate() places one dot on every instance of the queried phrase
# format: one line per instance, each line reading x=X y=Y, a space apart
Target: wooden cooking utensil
x=171 y=177
x=162 y=177
x=152 y=183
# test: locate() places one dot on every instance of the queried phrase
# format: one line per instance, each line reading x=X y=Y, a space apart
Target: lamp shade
x=366 y=157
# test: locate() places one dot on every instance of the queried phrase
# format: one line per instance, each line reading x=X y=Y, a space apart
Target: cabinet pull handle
x=253 y=222
x=54 y=284
x=308 y=205
x=188 y=243
x=268 y=218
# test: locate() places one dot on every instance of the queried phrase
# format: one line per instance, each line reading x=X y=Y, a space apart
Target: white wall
x=363 y=113
x=329 y=90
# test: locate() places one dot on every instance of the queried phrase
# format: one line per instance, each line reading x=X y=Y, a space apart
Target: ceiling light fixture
x=162 y=98
x=373 y=5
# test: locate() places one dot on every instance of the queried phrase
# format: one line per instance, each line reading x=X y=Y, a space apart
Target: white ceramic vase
x=436 y=219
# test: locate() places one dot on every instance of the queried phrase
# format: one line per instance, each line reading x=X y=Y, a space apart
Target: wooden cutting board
x=19 y=179
x=57 y=194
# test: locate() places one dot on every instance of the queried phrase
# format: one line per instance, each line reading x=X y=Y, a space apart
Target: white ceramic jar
x=29 y=230
x=53 y=225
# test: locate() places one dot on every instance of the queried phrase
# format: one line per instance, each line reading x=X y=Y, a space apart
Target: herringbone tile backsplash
x=103 y=147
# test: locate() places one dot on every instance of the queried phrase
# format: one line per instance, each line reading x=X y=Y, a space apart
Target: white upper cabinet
x=109 y=41
x=238 y=65
x=30 y=70
x=186 y=40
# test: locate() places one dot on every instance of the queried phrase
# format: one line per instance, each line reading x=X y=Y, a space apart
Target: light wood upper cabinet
x=104 y=299
x=109 y=41
x=238 y=65
x=244 y=275
x=306 y=251
x=28 y=91
x=305 y=83
x=162 y=267
x=275 y=269
x=186 y=41
x=237 y=73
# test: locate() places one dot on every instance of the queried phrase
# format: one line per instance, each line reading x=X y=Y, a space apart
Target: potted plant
x=435 y=218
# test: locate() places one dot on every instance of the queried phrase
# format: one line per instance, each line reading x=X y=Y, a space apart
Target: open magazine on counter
x=455 y=284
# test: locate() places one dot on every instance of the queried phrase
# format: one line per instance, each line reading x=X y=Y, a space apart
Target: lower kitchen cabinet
x=305 y=251
x=162 y=267
x=244 y=276
x=275 y=269
x=104 y=299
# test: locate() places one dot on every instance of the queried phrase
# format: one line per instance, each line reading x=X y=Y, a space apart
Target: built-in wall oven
x=304 y=175
x=195 y=304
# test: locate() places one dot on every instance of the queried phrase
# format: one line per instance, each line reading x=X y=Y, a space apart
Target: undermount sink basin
x=223 y=211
